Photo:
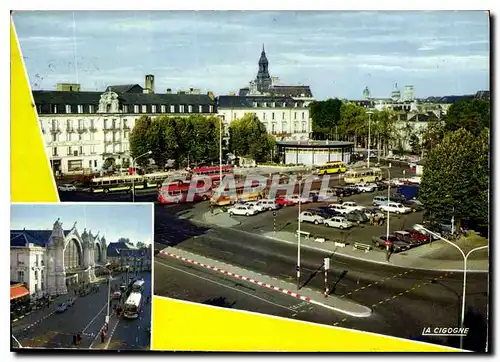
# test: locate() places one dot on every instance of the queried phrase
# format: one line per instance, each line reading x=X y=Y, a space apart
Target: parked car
x=307 y=216
x=405 y=236
x=242 y=210
x=116 y=295
x=352 y=205
x=420 y=228
x=397 y=245
x=257 y=205
x=297 y=198
x=420 y=236
x=395 y=207
x=62 y=307
x=366 y=187
x=66 y=187
x=328 y=195
x=414 y=205
x=341 y=191
x=379 y=200
x=321 y=212
x=339 y=208
x=338 y=222
x=356 y=216
x=382 y=185
x=329 y=211
x=284 y=201
x=269 y=204
x=352 y=189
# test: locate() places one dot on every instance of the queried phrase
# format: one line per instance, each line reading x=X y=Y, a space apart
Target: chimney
x=149 y=85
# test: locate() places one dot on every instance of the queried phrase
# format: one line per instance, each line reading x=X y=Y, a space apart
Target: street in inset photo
x=81 y=276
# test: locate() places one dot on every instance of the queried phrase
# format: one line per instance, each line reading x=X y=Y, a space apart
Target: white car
x=338 y=222
x=257 y=205
x=297 y=198
x=366 y=187
x=66 y=187
x=395 y=207
x=310 y=217
x=339 y=208
x=242 y=210
x=353 y=206
x=269 y=204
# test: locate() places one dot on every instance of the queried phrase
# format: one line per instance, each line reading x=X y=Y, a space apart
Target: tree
x=353 y=122
x=248 y=138
x=139 y=139
x=472 y=115
x=432 y=135
x=325 y=116
x=455 y=179
x=383 y=123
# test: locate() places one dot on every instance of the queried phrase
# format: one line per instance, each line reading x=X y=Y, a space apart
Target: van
x=379 y=200
x=268 y=204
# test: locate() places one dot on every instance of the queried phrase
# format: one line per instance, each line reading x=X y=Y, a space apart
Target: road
x=87 y=316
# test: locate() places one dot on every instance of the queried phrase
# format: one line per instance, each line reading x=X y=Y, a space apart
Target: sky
x=113 y=221
x=336 y=53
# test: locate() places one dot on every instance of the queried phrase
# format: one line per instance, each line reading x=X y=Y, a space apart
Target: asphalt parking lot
x=286 y=220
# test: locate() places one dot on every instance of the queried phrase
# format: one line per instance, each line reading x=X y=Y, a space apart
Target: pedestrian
x=375 y=219
x=74 y=339
x=78 y=338
x=371 y=219
x=381 y=221
x=102 y=336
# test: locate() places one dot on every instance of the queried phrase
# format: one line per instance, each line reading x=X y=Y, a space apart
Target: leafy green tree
x=455 y=179
x=248 y=138
x=432 y=135
x=139 y=139
x=472 y=115
x=383 y=123
x=353 y=122
x=325 y=116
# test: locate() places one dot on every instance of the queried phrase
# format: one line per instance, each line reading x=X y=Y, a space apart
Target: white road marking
x=226 y=286
x=93 y=319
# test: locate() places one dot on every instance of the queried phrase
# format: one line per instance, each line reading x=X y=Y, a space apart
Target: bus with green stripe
x=125 y=182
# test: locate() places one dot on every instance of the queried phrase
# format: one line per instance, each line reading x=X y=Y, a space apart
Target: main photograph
x=81 y=276
x=350 y=191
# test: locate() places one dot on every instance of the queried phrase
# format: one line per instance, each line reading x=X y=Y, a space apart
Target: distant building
x=314 y=152
x=49 y=261
x=83 y=130
x=123 y=254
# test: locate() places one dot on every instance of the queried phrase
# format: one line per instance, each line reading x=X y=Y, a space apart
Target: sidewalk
x=306 y=294
x=219 y=218
x=413 y=258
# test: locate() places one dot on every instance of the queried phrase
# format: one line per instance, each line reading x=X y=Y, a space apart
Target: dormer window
x=144 y=108
x=153 y=108
x=181 y=108
x=255 y=104
x=163 y=108
x=284 y=104
x=54 y=108
x=296 y=104
x=136 y=108
x=210 y=109
x=68 y=108
x=190 y=109
x=264 y=105
x=200 y=109
x=80 y=108
x=274 y=104
x=91 y=108
x=172 y=108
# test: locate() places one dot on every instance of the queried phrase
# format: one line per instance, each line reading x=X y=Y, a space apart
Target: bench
x=360 y=246
x=303 y=233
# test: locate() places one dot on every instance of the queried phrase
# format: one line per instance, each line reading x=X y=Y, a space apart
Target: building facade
x=49 y=261
x=123 y=255
x=83 y=131
x=284 y=117
x=311 y=153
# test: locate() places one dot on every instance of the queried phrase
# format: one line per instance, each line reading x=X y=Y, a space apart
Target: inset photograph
x=81 y=276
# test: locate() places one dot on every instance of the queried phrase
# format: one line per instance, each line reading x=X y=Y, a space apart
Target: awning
x=18 y=291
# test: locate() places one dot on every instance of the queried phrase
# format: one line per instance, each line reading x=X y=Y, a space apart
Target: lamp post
x=388 y=214
x=133 y=168
x=109 y=292
x=220 y=150
x=298 y=237
x=369 y=136
x=465 y=256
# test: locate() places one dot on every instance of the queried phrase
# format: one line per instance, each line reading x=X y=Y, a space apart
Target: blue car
x=61 y=308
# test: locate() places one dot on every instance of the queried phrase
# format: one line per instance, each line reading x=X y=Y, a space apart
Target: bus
x=359 y=175
x=214 y=171
x=132 y=306
x=124 y=182
x=138 y=286
x=331 y=167
x=226 y=198
x=178 y=193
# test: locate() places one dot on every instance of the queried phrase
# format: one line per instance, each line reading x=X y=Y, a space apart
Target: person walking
x=375 y=219
x=371 y=219
x=381 y=221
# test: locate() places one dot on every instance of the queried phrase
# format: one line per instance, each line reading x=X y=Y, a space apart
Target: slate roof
x=448 y=99
x=314 y=144
x=125 y=88
x=292 y=90
x=248 y=102
x=37 y=237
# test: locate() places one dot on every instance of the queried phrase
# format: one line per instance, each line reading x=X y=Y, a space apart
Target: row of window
x=136 y=108
x=274 y=104
x=273 y=116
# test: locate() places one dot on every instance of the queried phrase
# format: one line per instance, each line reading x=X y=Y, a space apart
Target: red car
x=283 y=201
x=414 y=234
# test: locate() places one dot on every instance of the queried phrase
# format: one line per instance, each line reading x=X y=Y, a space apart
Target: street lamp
x=465 y=256
x=133 y=168
x=109 y=291
x=220 y=150
x=369 y=136
x=298 y=236
x=387 y=243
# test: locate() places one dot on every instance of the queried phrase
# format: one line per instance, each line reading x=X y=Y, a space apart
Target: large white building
x=48 y=261
x=283 y=109
x=83 y=130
